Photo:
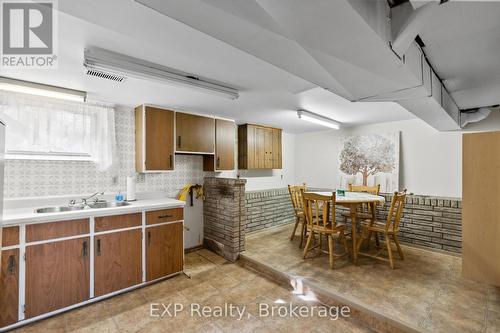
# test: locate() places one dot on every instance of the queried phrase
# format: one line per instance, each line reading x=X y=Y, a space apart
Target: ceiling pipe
x=474 y=115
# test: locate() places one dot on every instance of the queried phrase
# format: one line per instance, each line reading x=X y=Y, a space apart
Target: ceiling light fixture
x=318 y=119
x=39 y=89
x=113 y=63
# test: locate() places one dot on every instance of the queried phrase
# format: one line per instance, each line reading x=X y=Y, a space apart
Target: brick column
x=224 y=215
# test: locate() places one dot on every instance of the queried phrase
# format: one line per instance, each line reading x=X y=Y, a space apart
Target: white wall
x=430 y=161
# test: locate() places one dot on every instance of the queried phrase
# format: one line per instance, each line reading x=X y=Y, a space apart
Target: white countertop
x=27 y=215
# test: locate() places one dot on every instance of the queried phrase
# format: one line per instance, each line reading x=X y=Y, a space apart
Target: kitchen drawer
x=59 y=229
x=164 y=215
x=104 y=223
x=10 y=236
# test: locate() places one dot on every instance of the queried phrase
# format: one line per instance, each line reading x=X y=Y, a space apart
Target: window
x=43 y=128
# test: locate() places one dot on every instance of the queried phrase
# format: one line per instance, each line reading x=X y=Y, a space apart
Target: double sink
x=94 y=205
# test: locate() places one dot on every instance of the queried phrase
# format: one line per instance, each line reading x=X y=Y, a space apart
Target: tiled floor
x=213 y=282
x=426 y=289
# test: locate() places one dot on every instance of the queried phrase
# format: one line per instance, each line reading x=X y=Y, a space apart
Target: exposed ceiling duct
x=343 y=46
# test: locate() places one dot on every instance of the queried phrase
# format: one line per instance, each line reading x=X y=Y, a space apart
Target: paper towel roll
x=131 y=189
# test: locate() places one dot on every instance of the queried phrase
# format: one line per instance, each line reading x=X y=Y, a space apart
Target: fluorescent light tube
x=318 y=119
x=115 y=63
x=39 y=89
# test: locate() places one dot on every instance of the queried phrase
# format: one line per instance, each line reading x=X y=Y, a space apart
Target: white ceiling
x=463 y=45
x=269 y=95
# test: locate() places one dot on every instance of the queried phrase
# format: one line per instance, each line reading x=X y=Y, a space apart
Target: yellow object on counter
x=183 y=193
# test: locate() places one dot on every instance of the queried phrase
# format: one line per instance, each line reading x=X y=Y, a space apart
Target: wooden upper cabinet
x=154 y=139
x=225 y=141
x=117 y=261
x=194 y=134
x=57 y=275
x=259 y=147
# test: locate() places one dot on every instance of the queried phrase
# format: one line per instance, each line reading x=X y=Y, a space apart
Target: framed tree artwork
x=370 y=159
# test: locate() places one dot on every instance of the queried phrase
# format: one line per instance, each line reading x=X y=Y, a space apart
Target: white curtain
x=42 y=127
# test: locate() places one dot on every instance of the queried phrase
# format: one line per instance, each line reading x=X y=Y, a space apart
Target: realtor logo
x=28 y=34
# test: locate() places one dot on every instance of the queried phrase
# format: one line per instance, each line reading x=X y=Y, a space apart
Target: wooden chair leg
x=308 y=243
x=330 y=249
x=396 y=240
x=369 y=240
x=389 y=251
x=297 y=220
x=377 y=242
x=344 y=241
x=362 y=237
x=303 y=233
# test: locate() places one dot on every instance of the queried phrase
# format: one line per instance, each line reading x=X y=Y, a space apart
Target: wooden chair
x=318 y=209
x=365 y=211
x=298 y=209
x=389 y=228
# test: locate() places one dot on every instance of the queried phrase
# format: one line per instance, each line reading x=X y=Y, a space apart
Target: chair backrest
x=296 y=196
x=395 y=211
x=366 y=189
x=319 y=210
x=361 y=188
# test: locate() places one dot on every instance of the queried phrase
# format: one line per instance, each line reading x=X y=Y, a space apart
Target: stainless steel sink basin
x=95 y=205
x=108 y=204
x=57 y=209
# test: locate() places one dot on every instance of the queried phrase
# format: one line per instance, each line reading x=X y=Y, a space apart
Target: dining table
x=353 y=200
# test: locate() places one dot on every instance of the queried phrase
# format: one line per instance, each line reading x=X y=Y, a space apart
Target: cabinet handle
x=179 y=141
x=166 y=216
x=149 y=238
x=98 y=247
x=84 y=249
x=218 y=162
x=170 y=160
x=12 y=264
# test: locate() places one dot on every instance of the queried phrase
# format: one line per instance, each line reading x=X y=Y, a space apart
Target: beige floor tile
x=105 y=326
x=213 y=283
x=426 y=288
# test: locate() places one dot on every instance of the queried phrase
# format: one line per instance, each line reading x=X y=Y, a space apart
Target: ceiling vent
x=104 y=75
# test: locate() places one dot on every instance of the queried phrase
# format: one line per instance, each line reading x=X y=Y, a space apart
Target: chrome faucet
x=84 y=200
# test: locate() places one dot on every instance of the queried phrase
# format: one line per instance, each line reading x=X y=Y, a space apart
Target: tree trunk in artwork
x=365 y=174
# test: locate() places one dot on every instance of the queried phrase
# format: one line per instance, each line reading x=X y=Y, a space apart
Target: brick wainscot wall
x=432 y=222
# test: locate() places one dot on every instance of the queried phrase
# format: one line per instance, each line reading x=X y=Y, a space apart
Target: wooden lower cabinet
x=164 y=250
x=117 y=261
x=57 y=275
x=9 y=287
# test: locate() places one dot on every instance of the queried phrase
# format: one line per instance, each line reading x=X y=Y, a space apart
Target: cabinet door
x=268 y=144
x=195 y=133
x=57 y=275
x=481 y=204
x=164 y=250
x=252 y=148
x=159 y=138
x=224 y=144
x=277 y=155
x=9 y=287
x=117 y=261
x=260 y=148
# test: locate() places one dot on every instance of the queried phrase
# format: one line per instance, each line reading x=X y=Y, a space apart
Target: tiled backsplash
x=33 y=178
